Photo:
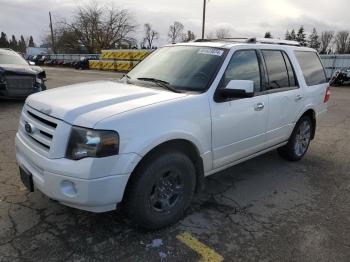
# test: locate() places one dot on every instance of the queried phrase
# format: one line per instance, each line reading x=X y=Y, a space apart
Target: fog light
x=68 y=188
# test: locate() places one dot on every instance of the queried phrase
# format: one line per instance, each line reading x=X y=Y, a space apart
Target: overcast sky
x=243 y=17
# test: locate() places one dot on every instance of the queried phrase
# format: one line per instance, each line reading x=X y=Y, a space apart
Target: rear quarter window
x=312 y=67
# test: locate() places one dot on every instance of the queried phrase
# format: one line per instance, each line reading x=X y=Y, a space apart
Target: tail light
x=327 y=95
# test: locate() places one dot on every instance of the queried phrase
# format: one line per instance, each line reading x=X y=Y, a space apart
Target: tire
x=160 y=191
x=299 y=140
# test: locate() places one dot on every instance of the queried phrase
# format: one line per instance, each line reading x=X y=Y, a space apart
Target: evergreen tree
x=293 y=35
x=268 y=35
x=314 y=41
x=301 y=36
x=288 y=36
x=31 y=42
x=4 y=43
x=189 y=36
x=22 y=45
x=13 y=43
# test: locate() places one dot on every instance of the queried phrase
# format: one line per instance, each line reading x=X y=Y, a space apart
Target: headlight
x=39 y=80
x=84 y=142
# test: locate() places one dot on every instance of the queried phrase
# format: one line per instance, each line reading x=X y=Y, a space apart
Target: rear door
x=285 y=96
x=315 y=81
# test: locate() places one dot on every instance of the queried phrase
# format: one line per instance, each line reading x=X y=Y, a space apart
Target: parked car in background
x=185 y=112
x=340 y=77
x=18 y=78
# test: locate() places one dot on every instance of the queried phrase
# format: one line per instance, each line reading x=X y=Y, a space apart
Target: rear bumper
x=62 y=179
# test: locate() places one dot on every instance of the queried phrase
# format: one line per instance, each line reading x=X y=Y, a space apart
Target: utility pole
x=52 y=38
x=203 y=24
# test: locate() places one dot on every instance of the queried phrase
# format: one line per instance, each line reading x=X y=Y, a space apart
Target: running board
x=244 y=159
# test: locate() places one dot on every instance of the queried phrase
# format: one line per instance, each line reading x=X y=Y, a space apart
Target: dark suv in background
x=18 y=78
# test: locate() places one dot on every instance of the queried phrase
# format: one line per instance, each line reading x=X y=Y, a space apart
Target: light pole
x=52 y=38
x=203 y=22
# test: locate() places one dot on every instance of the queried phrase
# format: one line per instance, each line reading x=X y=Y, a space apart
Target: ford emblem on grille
x=29 y=128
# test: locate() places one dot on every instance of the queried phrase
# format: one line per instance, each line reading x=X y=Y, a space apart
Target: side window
x=243 y=65
x=276 y=69
x=312 y=68
x=292 y=79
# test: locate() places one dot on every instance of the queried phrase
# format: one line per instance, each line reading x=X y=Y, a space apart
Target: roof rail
x=272 y=41
x=233 y=39
x=253 y=40
x=8 y=49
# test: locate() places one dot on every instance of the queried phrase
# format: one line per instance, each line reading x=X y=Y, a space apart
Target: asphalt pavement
x=266 y=209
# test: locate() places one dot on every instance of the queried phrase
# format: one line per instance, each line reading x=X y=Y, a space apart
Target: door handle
x=298 y=97
x=259 y=106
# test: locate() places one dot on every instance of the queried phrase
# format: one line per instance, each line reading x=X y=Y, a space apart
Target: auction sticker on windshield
x=210 y=51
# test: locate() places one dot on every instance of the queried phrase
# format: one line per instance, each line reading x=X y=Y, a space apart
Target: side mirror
x=31 y=63
x=238 y=88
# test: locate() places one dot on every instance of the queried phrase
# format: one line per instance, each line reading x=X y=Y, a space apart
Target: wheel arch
x=312 y=114
x=185 y=146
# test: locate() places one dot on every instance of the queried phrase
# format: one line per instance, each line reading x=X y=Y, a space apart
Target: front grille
x=20 y=82
x=43 y=128
x=54 y=125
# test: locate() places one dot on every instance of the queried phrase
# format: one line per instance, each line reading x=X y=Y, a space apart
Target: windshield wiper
x=126 y=75
x=160 y=83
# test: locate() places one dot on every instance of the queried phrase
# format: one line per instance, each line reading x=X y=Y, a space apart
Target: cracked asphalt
x=266 y=209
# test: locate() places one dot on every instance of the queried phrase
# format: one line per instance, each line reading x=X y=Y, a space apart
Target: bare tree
x=210 y=35
x=98 y=27
x=326 y=39
x=222 y=33
x=175 y=32
x=150 y=35
x=341 y=42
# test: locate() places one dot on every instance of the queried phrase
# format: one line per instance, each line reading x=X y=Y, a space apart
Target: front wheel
x=299 y=141
x=161 y=189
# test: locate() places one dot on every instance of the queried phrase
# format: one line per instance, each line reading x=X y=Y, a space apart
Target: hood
x=20 y=69
x=86 y=104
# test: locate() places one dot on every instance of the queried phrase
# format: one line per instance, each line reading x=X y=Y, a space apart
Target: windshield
x=12 y=59
x=188 y=68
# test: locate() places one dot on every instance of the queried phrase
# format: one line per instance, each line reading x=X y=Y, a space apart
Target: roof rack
x=273 y=41
x=253 y=40
x=7 y=49
x=233 y=39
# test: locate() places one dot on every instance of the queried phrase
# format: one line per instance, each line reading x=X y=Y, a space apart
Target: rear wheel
x=299 y=141
x=161 y=190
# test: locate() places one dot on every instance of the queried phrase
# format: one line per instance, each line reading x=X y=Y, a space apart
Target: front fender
x=143 y=129
x=153 y=142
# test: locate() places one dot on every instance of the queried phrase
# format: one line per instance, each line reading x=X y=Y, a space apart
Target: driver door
x=239 y=124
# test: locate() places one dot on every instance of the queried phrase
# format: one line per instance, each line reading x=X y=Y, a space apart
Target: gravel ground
x=265 y=209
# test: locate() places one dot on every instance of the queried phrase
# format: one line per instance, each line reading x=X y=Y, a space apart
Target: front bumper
x=20 y=93
x=92 y=184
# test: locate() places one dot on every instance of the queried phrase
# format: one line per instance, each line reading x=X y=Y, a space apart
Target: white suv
x=187 y=111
